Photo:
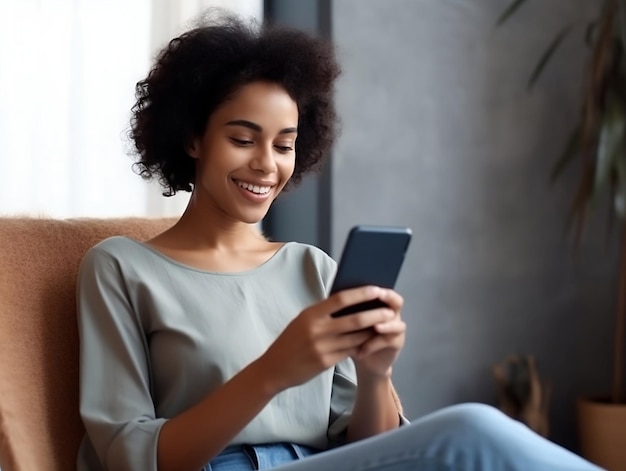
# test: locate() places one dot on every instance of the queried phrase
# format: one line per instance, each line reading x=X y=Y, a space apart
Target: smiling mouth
x=256 y=189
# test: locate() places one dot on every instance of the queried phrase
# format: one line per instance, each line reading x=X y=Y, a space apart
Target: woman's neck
x=203 y=232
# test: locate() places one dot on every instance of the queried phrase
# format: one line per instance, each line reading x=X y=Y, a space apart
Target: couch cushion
x=40 y=427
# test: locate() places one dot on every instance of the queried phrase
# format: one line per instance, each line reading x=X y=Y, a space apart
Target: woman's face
x=247 y=152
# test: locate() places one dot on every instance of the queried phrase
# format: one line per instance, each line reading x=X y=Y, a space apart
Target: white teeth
x=259 y=190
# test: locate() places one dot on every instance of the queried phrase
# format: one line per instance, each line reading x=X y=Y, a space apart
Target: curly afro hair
x=200 y=69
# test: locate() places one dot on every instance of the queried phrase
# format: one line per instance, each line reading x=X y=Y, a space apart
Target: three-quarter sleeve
x=115 y=388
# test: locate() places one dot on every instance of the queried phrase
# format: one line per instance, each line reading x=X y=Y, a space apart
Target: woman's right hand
x=315 y=341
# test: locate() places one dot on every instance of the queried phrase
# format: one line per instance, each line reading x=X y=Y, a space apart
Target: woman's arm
x=375 y=410
x=117 y=407
x=124 y=429
x=191 y=439
x=377 y=406
x=311 y=343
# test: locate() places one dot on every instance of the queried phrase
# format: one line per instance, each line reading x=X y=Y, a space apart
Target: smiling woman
x=243 y=164
x=211 y=347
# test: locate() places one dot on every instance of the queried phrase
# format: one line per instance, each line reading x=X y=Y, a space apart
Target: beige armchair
x=40 y=428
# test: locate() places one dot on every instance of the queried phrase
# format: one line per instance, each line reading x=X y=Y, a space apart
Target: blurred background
x=439 y=133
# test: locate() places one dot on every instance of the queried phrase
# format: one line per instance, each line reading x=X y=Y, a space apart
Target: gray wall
x=440 y=134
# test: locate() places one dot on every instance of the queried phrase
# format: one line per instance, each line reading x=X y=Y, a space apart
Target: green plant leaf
x=549 y=52
x=569 y=152
x=617 y=117
x=610 y=151
x=511 y=9
x=619 y=201
x=610 y=223
x=594 y=112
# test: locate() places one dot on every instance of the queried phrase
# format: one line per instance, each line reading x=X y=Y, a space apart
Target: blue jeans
x=465 y=437
x=253 y=457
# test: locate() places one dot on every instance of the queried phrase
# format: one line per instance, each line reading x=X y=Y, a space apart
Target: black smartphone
x=372 y=255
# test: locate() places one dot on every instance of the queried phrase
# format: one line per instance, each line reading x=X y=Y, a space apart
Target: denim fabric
x=465 y=437
x=258 y=457
x=233 y=458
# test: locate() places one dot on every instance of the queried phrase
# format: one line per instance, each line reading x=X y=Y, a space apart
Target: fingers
x=349 y=341
x=376 y=343
x=361 y=320
x=393 y=327
x=392 y=299
x=350 y=297
x=353 y=296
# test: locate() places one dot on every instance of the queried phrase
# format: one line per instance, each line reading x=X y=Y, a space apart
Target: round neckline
x=182 y=265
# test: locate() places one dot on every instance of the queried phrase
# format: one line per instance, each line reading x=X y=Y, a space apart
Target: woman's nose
x=263 y=159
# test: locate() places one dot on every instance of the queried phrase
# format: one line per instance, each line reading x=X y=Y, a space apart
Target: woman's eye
x=241 y=142
x=284 y=148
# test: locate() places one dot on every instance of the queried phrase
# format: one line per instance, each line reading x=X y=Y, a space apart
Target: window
x=67 y=75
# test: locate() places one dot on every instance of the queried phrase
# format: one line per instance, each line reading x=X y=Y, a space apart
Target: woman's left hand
x=377 y=355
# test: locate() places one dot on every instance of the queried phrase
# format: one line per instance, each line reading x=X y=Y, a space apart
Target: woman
x=211 y=347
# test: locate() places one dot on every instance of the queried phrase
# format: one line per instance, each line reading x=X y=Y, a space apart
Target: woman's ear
x=192 y=146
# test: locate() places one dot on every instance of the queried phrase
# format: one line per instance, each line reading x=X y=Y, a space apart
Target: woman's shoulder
x=114 y=247
x=115 y=251
x=308 y=254
x=308 y=250
x=124 y=253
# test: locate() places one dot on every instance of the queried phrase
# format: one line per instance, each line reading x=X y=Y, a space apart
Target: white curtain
x=67 y=75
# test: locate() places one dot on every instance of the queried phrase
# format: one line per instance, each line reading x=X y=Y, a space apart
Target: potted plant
x=598 y=143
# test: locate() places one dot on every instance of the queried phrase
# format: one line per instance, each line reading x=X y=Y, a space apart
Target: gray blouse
x=157 y=336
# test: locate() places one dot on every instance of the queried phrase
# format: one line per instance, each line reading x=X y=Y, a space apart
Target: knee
x=481 y=419
x=474 y=412
x=463 y=431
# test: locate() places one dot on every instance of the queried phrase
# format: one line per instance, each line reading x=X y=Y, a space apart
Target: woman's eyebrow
x=256 y=127
x=245 y=124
